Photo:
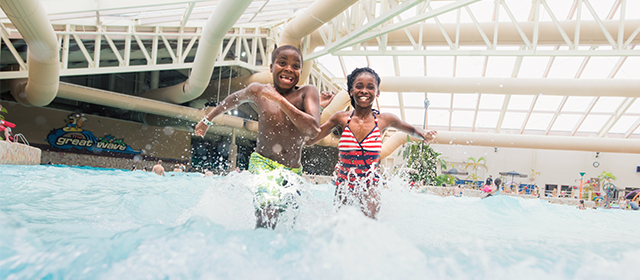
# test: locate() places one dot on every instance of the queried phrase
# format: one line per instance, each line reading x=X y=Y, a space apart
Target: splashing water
x=85 y=223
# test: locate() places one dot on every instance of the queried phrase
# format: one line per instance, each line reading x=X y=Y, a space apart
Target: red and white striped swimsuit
x=359 y=160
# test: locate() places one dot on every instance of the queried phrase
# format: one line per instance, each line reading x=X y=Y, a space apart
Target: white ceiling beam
x=618 y=113
x=532 y=53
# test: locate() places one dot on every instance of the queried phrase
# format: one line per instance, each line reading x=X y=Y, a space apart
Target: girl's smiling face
x=365 y=90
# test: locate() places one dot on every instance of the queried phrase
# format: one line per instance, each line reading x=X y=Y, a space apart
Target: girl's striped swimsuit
x=359 y=160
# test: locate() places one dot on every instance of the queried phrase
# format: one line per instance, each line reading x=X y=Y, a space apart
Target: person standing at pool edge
x=158 y=169
x=287 y=116
x=361 y=142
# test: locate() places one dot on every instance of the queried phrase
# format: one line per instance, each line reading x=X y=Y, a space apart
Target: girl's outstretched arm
x=395 y=122
x=325 y=128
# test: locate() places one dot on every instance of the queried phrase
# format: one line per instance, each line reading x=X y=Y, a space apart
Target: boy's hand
x=429 y=136
x=270 y=93
x=201 y=129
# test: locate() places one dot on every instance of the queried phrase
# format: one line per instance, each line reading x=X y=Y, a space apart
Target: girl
x=360 y=145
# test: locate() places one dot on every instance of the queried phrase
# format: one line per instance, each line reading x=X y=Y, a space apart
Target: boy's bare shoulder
x=255 y=87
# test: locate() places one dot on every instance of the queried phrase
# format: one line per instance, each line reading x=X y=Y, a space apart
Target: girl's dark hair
x=352 y=77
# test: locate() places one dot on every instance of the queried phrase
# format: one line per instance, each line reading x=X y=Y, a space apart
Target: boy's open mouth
x=286 y=79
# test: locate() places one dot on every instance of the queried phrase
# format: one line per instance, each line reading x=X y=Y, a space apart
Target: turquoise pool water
x=61 y=222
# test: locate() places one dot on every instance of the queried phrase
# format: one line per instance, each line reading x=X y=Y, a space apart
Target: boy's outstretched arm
x=396 y=122
x=230 y=102
x=307 y=121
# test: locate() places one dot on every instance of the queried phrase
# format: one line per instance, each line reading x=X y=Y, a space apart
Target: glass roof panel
x=491 y=101
x=388 y=99
x=623 y=124
x=500 y=66
x=411 y=66
x=440 y=66
x=332 y=64
x=599 y=67
x=513 y=120
x=520 y=102
x=438 y=117
x=439 y=100
x=414 y=99
x=462 y=118
x=353 y=62
x=465 y=100
x=469 y=66
x=539 y=121
x=607 y=104
x=577 y=104
x=414 y=116
x=383 y=65
x=548 y=103
x=533 y=67
x=565 y=67
x=635 y=107
x=487 y=119
x=593 y=123
x=565 y=122
x=630 y=69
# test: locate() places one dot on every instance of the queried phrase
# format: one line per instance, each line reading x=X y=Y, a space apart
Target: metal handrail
x=19 y=137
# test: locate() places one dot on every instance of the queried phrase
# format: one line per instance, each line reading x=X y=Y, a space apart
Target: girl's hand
x=429 y=136
x=201 y=129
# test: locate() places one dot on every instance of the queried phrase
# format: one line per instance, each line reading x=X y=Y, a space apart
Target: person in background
x=158 y=169
x=581 y=205
x=133 y=168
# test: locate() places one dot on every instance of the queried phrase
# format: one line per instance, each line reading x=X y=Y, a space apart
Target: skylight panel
x=414 y=116
x=469 y=66
x=465 y=100
x=565 y=122
x=630 y=69
x=411 y=66
x=462 y=118
x=577 y=103
x=487 y=119
x=439 y=100
x=388 y=99
x=565 y=67
x=599 y=67
x=513 y=120
x=539 y=121
x=500 y=66
x=520 y=102
x=438 y=117
x=533 y=67
x=383 y=65
x=353 y=62
x=623 y=124
x=593 y=123
x=607 y=104
x=519 y=8
x=440 y=66
x=332 y=64
x=559 y=8
x=491 y=101
x=548 y=103
x=413 y=99
x=634 y=108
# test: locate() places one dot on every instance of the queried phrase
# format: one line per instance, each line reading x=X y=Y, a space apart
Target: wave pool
x=60 y=222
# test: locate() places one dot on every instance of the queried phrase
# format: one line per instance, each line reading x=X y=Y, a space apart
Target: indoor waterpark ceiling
x=539 y=67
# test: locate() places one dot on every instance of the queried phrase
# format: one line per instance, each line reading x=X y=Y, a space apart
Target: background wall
x=556 y=167
x=158 y=142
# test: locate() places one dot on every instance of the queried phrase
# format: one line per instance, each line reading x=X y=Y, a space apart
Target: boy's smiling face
x=286 y=69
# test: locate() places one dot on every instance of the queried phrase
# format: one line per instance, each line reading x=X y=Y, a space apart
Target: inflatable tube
x=7 y=124
x=634 y=205
x=597 y=197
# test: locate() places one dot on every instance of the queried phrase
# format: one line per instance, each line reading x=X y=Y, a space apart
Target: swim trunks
x=359 y=160
x=269 y=191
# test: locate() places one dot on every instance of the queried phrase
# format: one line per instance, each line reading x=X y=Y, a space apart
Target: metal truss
x=88 y=50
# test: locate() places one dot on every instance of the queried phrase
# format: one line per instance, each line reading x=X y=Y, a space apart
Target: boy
x=288 y=115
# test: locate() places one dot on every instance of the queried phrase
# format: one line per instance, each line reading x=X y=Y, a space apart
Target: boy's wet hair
x=352 y=77
x=285 y=47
